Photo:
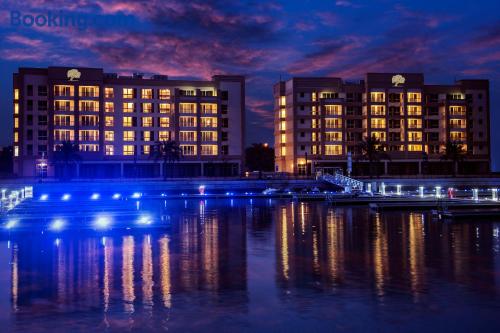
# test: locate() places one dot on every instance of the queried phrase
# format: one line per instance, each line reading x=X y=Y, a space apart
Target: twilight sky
x=264 y=40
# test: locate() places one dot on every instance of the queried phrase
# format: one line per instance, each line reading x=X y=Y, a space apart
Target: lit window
x=16 y=108
x=187 y=136
x=147 y=107
x=282 y=113
x=16 y=137
x=128 y=136
x=64 y=135
x=89 y=147
x=333 y=136
x=314 y=97
x=379 y=135
x=283 y=138
x=209 y=150
x=109 y=107
x=128 y=93
x=16 y=151
x=414 y=123
x=109 y=136
x=63 y=90
x=164 y=122
x=282 y=125
x=147 y=93
x=128 y=150
x=377 y=97
x=187 y=108
x=188 y=150
x=208 y=108
x=164 y=108
x=63 y=105
x=16 y=94
x=127 y=121
x=146 y=136
x=282 y=101
x=89 y=120
x=128 y=107
x=414 y=147
x=457 y=123
x=333 y=149
x=164 y=94
x=333 y=110
x=110 y=150
x=377 y=123
x=187 y=121
x=457 y=110
x=414 y=136
x=414 y=110
x=283 y=151
x=147 y=121
x=88 y=91
x=92 y=106
x=16 y=122
x=208 y=136
x=109 y=121
x=208 y=122
x=163 y=136
x=414 y=97
x=109 y=93
x=377 y=110
x=146 y=149
x=457 y=136
x=333 y=123
x=89 y=135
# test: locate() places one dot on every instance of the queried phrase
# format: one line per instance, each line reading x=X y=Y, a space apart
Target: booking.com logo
x=62 y=19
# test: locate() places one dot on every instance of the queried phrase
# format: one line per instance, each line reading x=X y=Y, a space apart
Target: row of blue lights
x=94 y=196
x=101 y=222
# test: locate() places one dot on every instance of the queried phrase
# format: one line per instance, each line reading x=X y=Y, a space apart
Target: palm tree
x=167 y=151
x=373 y=151
x=454 y=152
x=66 y=153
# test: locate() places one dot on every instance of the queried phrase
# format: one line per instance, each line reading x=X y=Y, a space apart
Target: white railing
x=342 y=181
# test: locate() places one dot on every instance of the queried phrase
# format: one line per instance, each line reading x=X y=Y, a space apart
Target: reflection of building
x=115 y=121
x=319 y=120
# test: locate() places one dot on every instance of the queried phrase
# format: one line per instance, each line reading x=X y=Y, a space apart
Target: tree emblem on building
x=398 y=80
x=73 y=74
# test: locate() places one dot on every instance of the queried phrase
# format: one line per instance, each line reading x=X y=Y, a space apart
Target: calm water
x=261 y=265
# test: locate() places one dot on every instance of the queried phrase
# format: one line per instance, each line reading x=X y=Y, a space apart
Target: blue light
x=116 y=196
x=57 y=242
x=66 y=197
x=11 y=224
x=102 y=222
x=136 y=195
x=57 y=225
x=95 y=196
x=44 y=197
x=145 y=220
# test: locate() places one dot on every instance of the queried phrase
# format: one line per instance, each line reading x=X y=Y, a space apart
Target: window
x=377 y=110
x=89 y=135
x=29 y=105
x=457 y=136
x=16 y=151
x=187 y=121
x=414 y=147
x=128 y=93
x=414 y=110
x=394 y=98
x=147 y=121
x=16 y=108
x=147 y=93
x=42 y=120
x=224 y=95
x=164 y=108
x=16 y=94
x=329 y=95
x=109 y=93
x=89 y=120
x=64 y=135
x=63 y=90
x=187 y=92
x=224 y=150
x=109 y=136
x=188 y=150
x=414 y=136
x=457 y=123
x=208 y=136
x=63 y=105
x=164 y=94
x=89 y=147
x=127 y=121
x=457 y=110
x=128 y=150
x=128 y=107
x=63 y=120
x=29 y=121
x=333 y=110
x=42 y=135
x=208 y=93
x=208 y=122
x=377 y=123
x=42 y=90
x=333 y=123
x=333 y=136
x=109 y=107
x=42 y=105
x=209 y=150
x=164 y=122
x=88 y=91
x=223 y=109
x=109 y=121
x=187 y=136
x=147 y=107
x=333 y=149
x=109 y=150
x=225 y=123
x=163 y=136
x=187 y=108
x=16 y=137
x=223 y=136
x=145 y=149
x=92 y=106
x=414 y=97
x=146 y=135
x=208 y=108
x=377 y=97
x=414 y=123
x=128 y=136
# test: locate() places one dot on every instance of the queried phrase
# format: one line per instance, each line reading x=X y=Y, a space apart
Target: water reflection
x=163 y=279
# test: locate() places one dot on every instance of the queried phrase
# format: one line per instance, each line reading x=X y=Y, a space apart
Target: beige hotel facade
x=115 y=121
x=320 y=120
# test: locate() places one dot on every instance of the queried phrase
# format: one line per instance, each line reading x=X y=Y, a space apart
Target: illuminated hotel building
x=318 y=121
x=116 y=120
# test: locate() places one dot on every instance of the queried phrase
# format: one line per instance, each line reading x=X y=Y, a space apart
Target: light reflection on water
x=256 y=265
